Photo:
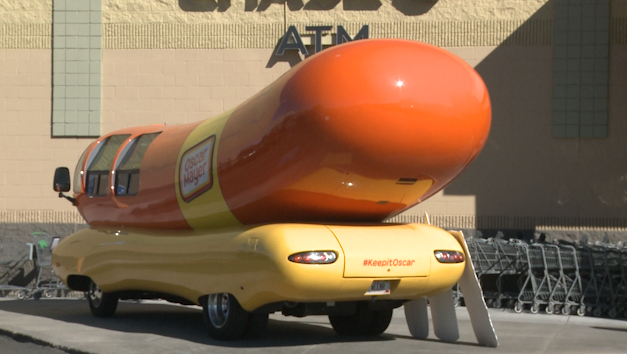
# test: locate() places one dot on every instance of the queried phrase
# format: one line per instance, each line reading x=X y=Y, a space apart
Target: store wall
x=174 y=86
x=180 y=61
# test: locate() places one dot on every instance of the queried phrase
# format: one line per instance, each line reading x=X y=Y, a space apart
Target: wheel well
x=78 y=282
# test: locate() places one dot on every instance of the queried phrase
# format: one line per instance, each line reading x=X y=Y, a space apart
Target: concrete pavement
x=157 y=327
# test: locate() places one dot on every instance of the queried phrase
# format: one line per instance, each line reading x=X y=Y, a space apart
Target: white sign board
x=195 y=170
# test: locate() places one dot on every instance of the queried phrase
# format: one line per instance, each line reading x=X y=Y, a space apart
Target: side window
x=79 y=171
x=99 y=164
x=129 y=162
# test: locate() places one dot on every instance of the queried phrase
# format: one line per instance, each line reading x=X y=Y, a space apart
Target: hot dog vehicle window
x=127 y=166
x=99 y=164
x=79 y=171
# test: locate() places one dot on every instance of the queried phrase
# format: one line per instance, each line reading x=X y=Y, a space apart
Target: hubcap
x=218 y=307
x=95 y=294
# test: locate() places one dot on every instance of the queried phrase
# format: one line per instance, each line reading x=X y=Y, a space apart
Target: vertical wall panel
x=580 y=68
x=76 y=67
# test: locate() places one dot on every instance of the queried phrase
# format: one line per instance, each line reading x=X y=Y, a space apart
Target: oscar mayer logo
x=195 y=176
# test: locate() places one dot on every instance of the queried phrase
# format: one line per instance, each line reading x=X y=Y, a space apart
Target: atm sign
x=195 y=172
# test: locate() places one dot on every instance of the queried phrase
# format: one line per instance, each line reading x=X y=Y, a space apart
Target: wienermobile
x=278 y=204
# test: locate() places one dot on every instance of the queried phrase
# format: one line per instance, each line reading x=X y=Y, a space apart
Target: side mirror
x=61 y=180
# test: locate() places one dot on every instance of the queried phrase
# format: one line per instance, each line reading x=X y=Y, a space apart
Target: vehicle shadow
x=184 y=323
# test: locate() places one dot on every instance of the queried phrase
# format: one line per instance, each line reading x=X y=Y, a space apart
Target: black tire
x=101 y=304
x=380 y=322
x=225 y=318
x=363 y=322
x=257 y=325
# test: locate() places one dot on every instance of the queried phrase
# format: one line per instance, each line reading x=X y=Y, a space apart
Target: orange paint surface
x=376 y=111
x=155 y=206
x=356 y=133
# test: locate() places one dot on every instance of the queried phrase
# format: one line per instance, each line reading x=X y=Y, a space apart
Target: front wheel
x=363 y=322
x=613 y=313
x=566 y=310
x=535 y=308
x=225 y=318
x=101 y=304
x=597 y=312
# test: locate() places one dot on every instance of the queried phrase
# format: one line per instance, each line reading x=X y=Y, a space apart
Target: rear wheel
x=101 y=304
x=363 y=322
x=225 y=318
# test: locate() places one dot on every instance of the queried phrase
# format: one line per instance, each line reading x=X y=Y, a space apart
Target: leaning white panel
x=417 y=318
x=443 y=316
x=473 y=297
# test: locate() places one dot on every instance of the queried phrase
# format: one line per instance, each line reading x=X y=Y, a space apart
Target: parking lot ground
x=158 y=327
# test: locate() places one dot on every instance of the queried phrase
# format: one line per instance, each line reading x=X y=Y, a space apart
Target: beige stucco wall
x=180 y=85
x=31 y=11
x=260 y=24
x=179 y=61
x=312 y=11
x=28 y=156
x=526 y=174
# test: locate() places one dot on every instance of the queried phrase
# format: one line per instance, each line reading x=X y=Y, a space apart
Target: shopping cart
x=616 y=281
x=571 y=278
x=47 y=283
x=535 y=284
x=485 y=259
x=511 y=268
x=558 y=300
x=622 y=292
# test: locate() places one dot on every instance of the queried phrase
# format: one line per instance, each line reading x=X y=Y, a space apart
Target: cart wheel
x=549 y=309
x=101 y=304
x=597 y=312
x=225 y=318
x=613 y=313
x=581 y=311
x=518 y=308
x=497 y=303
x=48 y=293
x=566 y=310
x=535 y=308
x=489 y=303
x=21 y=295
